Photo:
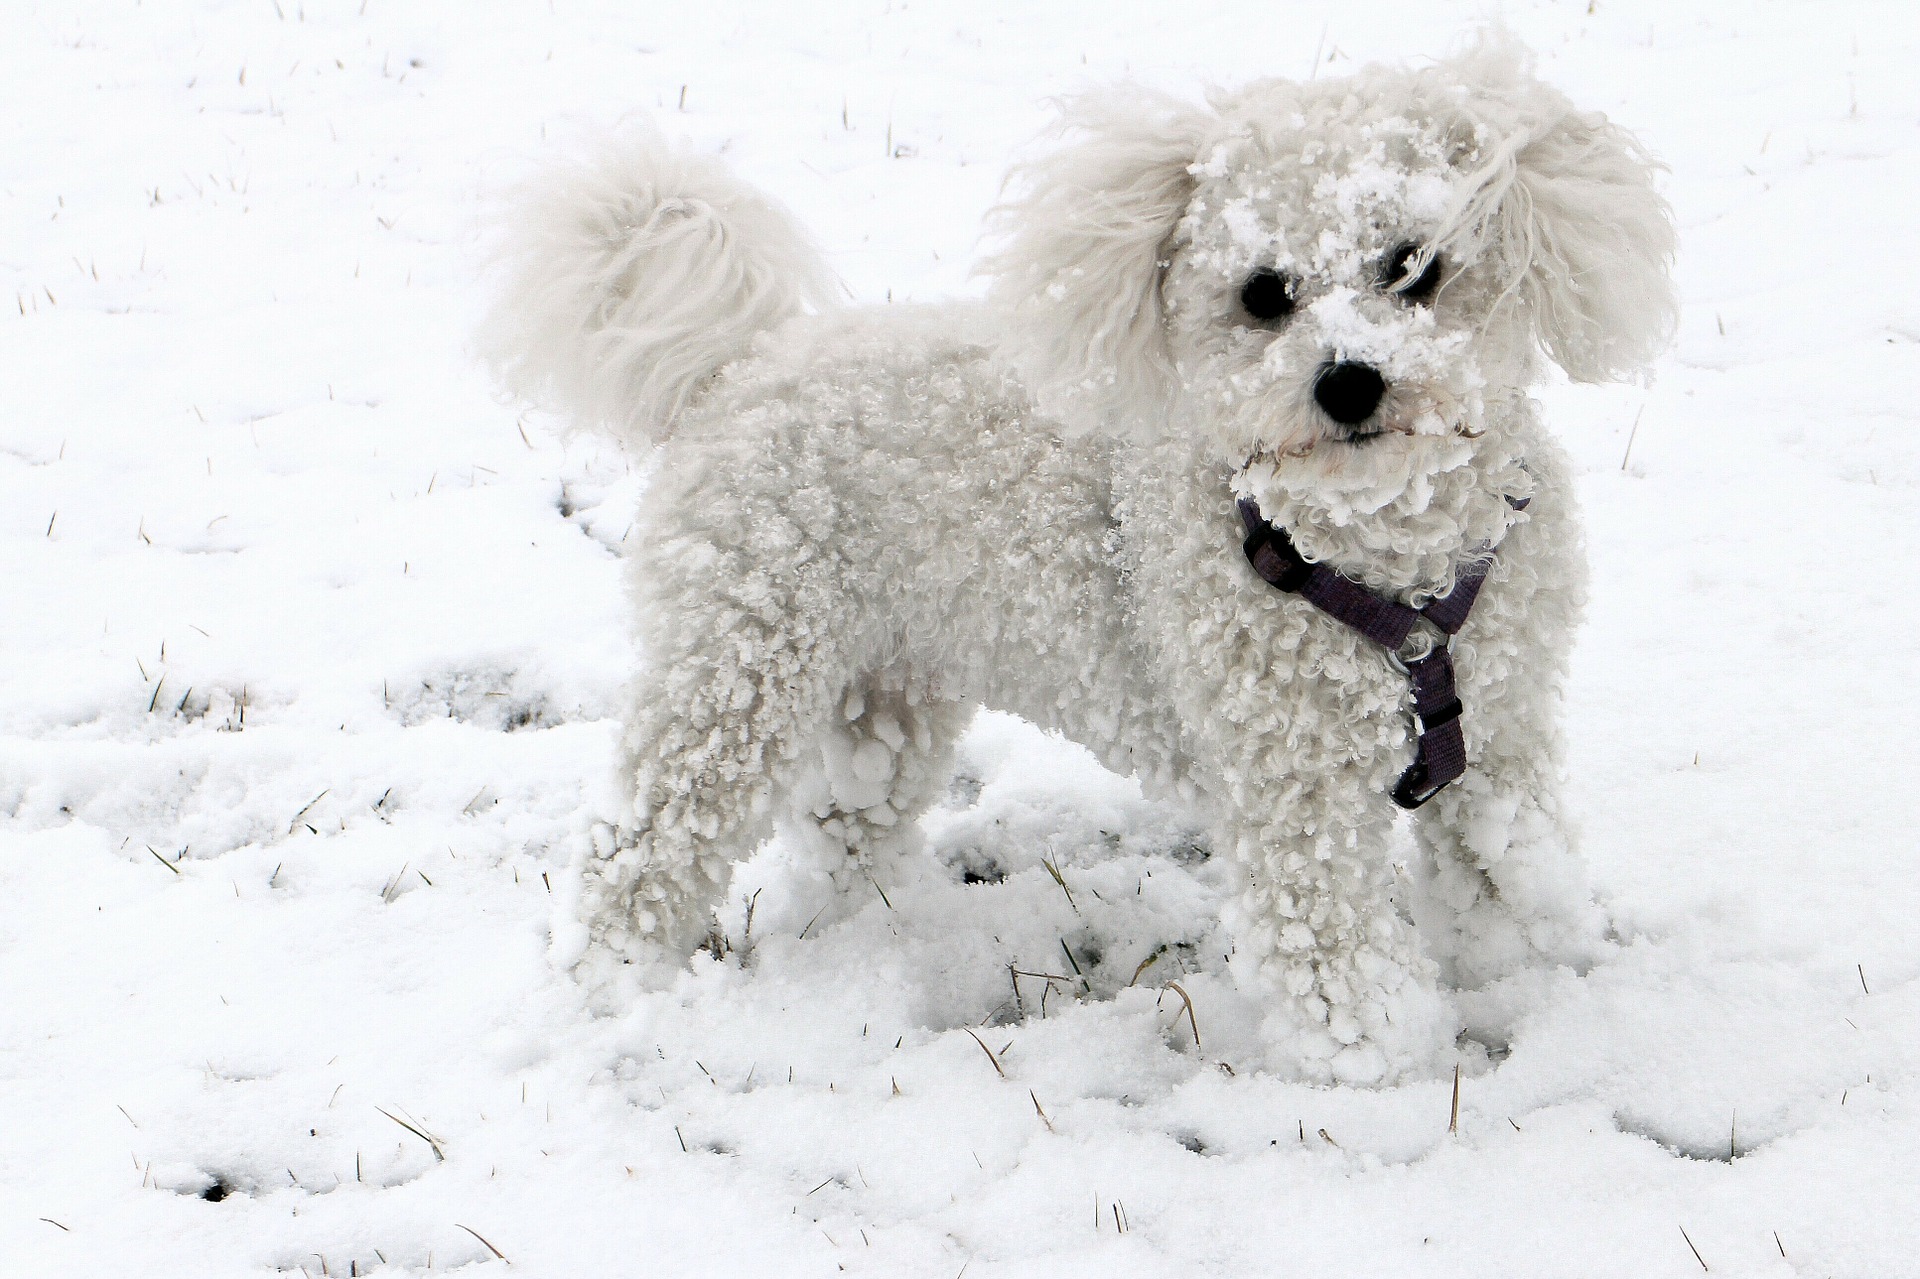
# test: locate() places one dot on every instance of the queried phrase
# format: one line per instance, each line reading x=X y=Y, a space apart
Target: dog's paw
x=632 y=917
x=613 y=981
x=1489 y=942
x=1395 y=1028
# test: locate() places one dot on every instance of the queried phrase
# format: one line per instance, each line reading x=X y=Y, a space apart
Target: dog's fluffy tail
x=628 y=276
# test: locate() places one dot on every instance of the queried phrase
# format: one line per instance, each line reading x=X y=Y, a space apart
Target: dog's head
x=1334 y=278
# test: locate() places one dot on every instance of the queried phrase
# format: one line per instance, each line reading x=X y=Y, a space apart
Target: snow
x=311 y=647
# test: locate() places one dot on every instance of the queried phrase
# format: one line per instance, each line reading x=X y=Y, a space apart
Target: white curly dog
x=1270 y=403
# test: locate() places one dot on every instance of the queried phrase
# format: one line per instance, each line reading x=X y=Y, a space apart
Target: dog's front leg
x=1510 y=890
x=1316 y=931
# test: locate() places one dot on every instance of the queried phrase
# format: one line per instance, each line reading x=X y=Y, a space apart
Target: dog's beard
x=1352 y=480
x=1416 y=435
x=1398 y=512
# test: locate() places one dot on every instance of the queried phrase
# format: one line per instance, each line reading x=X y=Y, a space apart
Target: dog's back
x=858 y=529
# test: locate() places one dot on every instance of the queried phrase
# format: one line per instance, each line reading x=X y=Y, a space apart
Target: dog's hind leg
x=720 y=724
x=884 y=758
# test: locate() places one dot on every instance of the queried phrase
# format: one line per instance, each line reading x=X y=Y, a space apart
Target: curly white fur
x=862 y=527
x=631 y=274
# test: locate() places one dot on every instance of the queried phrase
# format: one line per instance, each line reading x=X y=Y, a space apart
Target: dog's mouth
x=1431 y=417
x=1367 y=437
x=1417 y=417
x=1354 y=437
x=1363 y=434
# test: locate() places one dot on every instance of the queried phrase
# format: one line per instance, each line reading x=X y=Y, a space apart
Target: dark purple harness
x=1440 y=755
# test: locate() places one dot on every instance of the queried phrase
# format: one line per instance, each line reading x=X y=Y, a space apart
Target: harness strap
x=1440 y=752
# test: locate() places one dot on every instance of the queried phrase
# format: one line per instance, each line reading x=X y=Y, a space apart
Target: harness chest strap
x=1440 y=753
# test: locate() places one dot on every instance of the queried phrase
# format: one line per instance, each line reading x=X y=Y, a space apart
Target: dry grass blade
x=1186 y=1002
x=303 y=812
x=1147 y=963
x=1048 y=978
x=163 y=861
x=439 y=1150
x=1053 y=869
x=483 y=1239
x=1453 y=1124
x=1632 y=436
x=1015 y=974
x=1036 y=1110
x=1695 y=1251
x=392 y=889
x=1075 y=965
x=998 y=1069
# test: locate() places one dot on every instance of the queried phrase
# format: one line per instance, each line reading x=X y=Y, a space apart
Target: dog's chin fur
x=1401 y=513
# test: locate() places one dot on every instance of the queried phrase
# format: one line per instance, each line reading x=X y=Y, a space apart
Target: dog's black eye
x=1418 y=289
x=1267 y=295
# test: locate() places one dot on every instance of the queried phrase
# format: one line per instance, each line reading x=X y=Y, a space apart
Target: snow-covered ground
x=310 y=648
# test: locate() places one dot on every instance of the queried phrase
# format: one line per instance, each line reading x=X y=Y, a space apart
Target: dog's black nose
x=1348 y=392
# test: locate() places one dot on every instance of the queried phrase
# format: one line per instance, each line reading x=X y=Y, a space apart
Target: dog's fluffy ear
x=1566 y=200
x=1084 y=244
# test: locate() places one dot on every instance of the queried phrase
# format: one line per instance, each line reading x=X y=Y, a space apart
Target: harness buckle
x=1413 y=789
